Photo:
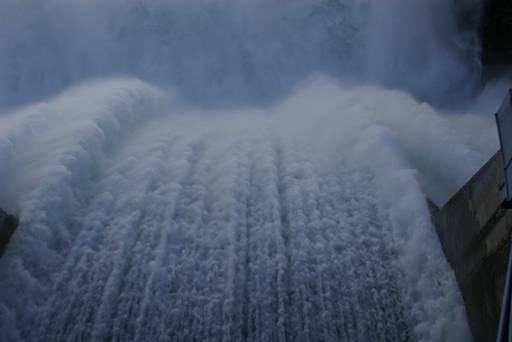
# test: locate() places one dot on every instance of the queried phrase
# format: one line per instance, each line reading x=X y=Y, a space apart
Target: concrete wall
x=475 y=234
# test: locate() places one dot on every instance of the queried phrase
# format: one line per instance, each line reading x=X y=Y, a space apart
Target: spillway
x=143 y=224
x=257 y=174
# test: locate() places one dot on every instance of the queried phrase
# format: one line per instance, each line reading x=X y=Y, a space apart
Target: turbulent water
x=260 y=173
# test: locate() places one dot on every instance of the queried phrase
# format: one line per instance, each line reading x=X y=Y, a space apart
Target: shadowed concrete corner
x=8 y=225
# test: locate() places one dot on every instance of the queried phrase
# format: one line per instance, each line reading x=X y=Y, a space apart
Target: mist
x=233 y=52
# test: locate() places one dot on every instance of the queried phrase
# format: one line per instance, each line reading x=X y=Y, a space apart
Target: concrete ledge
x=475 y=234
x=8 y=225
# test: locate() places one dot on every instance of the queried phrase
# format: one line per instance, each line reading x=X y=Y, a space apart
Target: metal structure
x=504 y=123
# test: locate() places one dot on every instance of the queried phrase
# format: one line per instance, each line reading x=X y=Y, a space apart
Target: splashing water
x=257 y=182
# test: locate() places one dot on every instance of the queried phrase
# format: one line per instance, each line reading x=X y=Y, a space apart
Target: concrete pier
x=8 y=225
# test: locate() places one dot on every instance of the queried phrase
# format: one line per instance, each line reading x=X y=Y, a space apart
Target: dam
x=239 y=171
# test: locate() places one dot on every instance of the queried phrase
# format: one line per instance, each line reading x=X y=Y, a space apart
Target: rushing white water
x=257 y=182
